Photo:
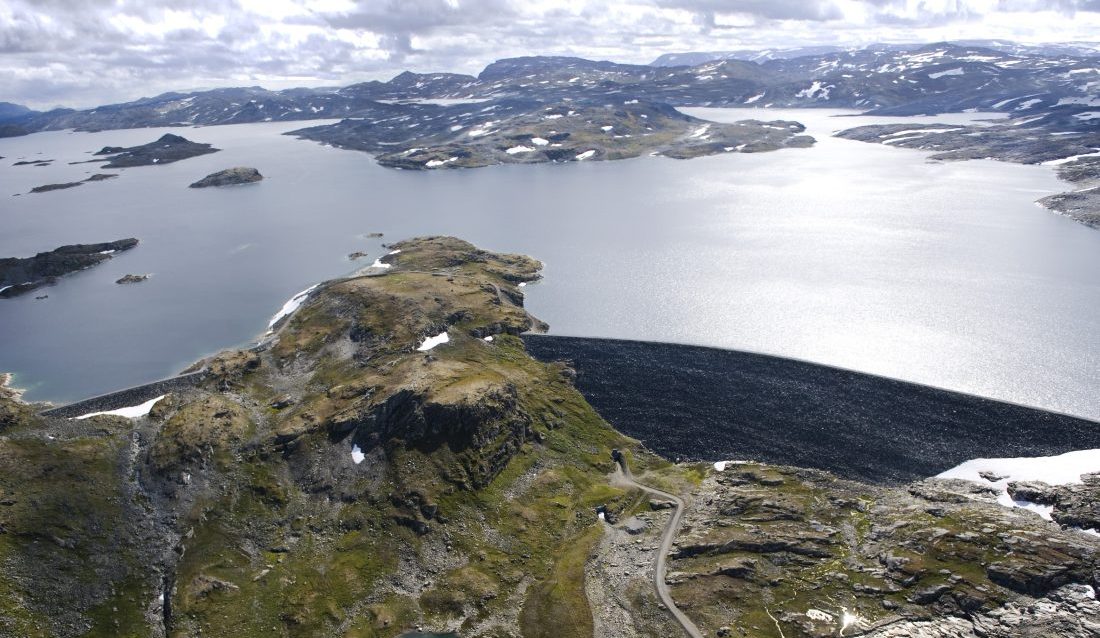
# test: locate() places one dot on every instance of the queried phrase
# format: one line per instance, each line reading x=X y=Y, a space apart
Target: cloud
x=89 y=52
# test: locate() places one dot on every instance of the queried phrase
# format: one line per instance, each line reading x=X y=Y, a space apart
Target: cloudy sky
x=90 y=52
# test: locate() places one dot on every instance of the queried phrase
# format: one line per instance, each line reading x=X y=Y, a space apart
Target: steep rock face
x=336 y=481
x=229 y=177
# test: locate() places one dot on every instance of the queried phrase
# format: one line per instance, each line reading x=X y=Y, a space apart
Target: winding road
x=623 y=478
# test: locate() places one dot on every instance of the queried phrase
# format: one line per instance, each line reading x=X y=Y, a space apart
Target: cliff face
x=336 y=481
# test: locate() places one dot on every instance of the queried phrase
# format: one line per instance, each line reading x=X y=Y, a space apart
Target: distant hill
x=9 y=111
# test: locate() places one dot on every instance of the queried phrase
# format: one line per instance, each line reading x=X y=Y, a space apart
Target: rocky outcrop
x=229 y=177
x=1074 y=505
x=169 y=148
x=20 y=275
x=131 y=279
x=823 y=556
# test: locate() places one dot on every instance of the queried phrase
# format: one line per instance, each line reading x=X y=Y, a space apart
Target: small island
x=230 y=177
x=131 y=279
x=169 y=148
x=98 y=177
x=21 y=275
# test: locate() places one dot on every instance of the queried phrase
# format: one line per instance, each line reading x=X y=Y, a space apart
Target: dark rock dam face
x=703 y=403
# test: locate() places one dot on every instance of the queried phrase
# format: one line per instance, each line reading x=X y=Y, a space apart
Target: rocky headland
x=169 y=148
x=391 y=458
x=19 y=275
x=229 y=177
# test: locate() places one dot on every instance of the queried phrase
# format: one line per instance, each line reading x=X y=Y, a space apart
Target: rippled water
x=850 y=254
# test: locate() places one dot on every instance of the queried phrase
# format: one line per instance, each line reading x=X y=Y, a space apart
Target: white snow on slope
x=955 y=71
x=131 y=412
x=814 y=91
x=290 y=306
x=519 y=149
x=585 y=155
x=431 y=342
x=1054 y=470
x=357 y=455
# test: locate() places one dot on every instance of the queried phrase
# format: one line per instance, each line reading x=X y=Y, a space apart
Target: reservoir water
x=850 y=254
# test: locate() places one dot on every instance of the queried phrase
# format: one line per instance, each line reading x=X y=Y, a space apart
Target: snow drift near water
x=131 y=412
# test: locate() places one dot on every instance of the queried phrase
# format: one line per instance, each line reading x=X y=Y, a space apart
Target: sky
x=83 y=53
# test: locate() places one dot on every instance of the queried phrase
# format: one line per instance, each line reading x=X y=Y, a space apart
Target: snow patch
x=1053 y=470
x=290 y=306
x=434 y=163
x=585 y=155
x=1067 y=160
x=754 y=98
x=131 y=412
x=1087 y=101
x=489 y=339
x=519 y=149
x=940 y=74
x=357 y=455
x=814 y=91
x=431 y=342
x=538 y=141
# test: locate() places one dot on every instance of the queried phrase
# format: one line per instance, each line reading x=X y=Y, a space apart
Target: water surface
x=850 y=254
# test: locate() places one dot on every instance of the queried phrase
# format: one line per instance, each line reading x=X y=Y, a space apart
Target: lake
x=850 y=254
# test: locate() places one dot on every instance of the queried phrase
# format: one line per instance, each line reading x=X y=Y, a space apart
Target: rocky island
x=20 y=275
x=525 y=132
x=169 y=148
x=229 y=176
x=98 y=177
x=390 y=459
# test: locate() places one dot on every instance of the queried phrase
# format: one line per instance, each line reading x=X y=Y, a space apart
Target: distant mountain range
x=885 y=79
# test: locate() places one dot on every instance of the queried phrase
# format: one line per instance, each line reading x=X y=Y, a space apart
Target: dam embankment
x=693 y=402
